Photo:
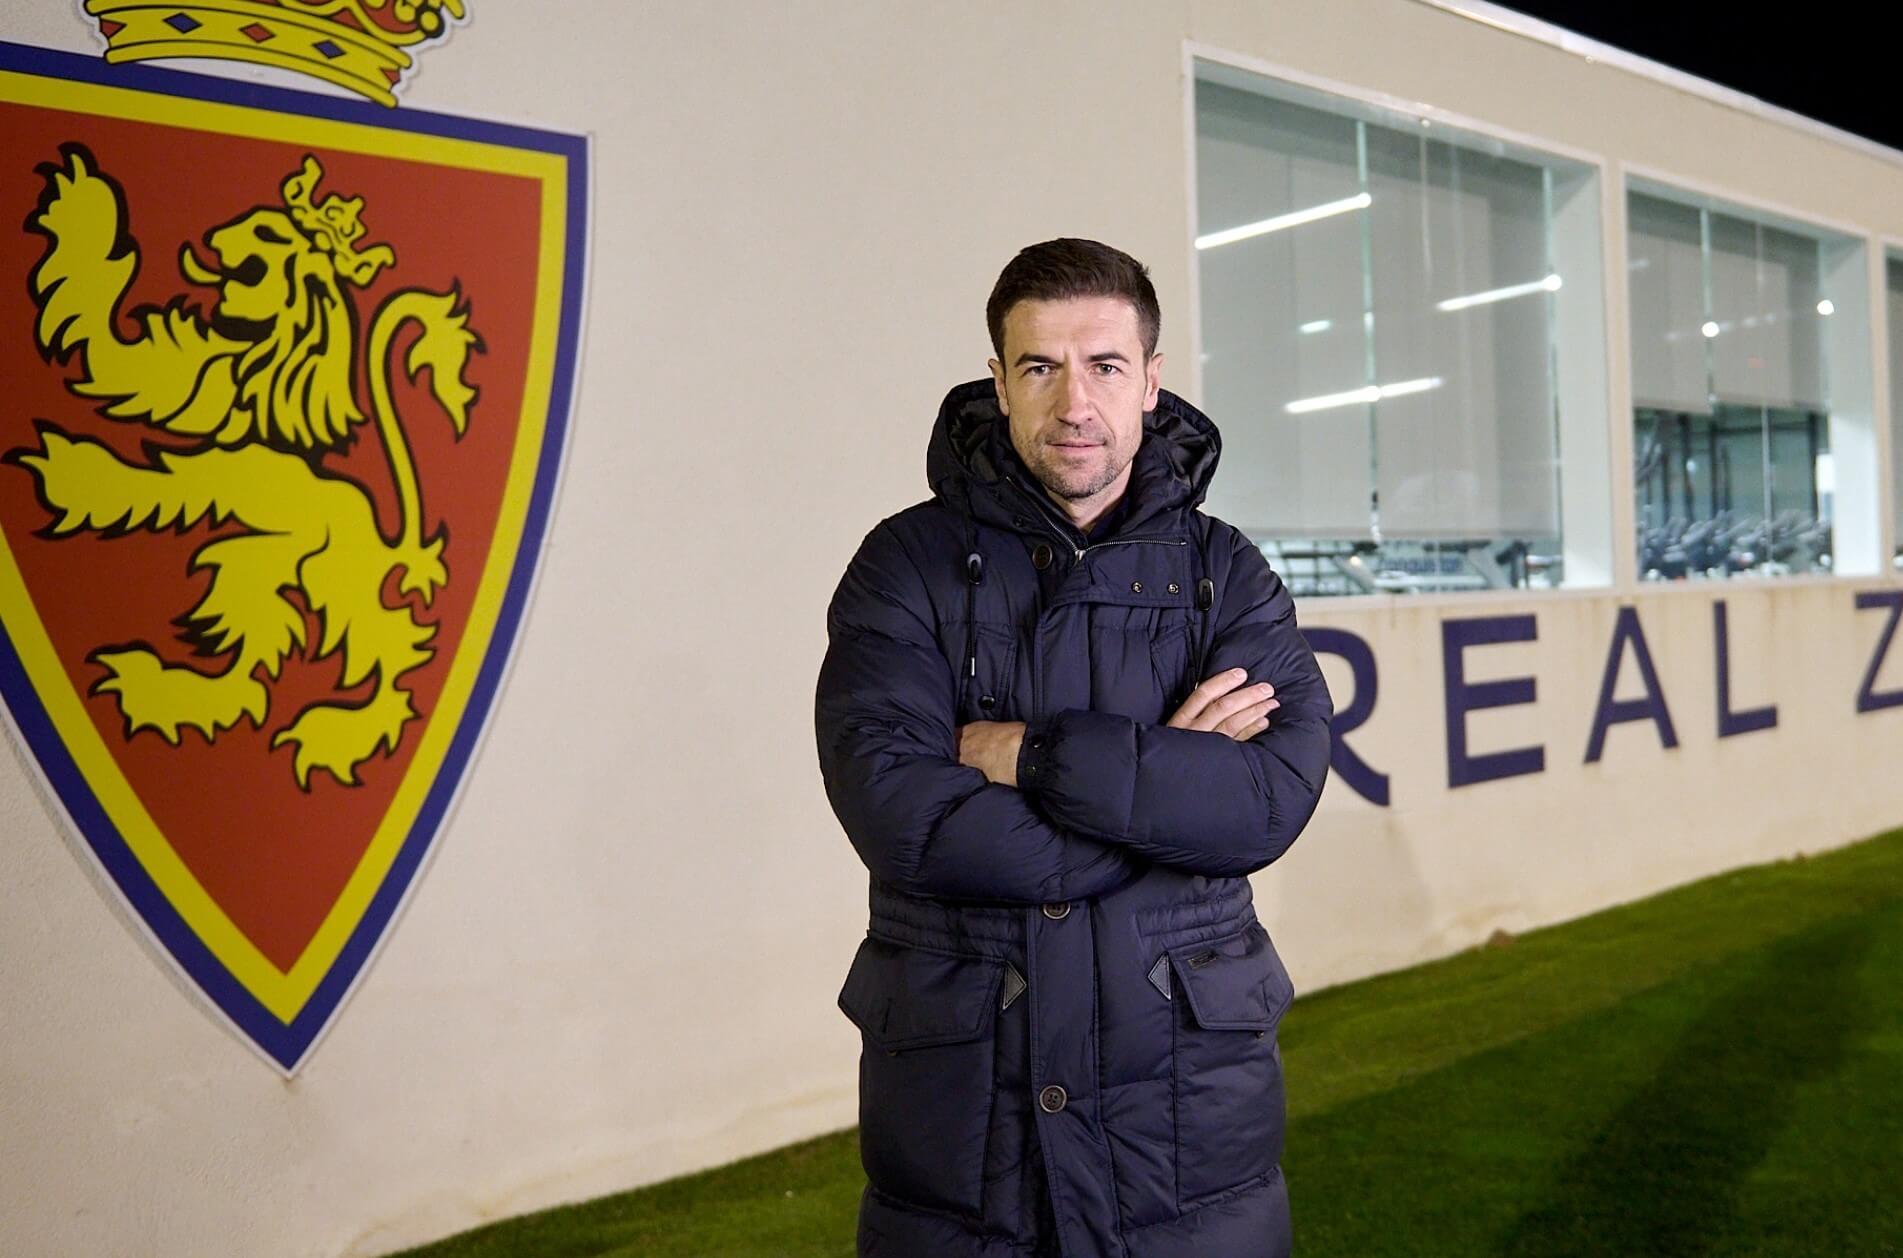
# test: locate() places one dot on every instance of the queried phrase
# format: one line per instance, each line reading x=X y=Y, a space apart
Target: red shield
x=288 y=381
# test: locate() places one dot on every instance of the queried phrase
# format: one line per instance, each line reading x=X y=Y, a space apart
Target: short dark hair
x=1058 y=270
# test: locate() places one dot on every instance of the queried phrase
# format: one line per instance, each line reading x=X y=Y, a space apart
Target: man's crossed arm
x=932 y=808
x=1220 y=705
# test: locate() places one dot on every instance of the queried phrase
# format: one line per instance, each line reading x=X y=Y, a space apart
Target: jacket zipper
x=1065 y=530
x=1134 y=541
x=1062 y=534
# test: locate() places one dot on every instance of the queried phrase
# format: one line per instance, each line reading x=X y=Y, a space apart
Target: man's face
x=1075 y=384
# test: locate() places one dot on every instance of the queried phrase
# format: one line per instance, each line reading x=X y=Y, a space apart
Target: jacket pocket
x=985 y=684
x=1230 y=994
x=1170 y=666
x=925 y=1070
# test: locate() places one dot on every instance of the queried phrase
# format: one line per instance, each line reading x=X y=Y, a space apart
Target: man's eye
x=1107 y=369
x=1037 y=369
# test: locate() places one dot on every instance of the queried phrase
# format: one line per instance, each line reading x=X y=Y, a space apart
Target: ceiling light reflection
x=1551 y=284
x=1363 y=396
x=1360 y=201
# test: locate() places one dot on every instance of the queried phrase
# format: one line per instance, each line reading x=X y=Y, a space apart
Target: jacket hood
x=971 y=464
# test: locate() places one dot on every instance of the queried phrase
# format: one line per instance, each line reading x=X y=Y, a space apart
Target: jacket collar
x=971 y=465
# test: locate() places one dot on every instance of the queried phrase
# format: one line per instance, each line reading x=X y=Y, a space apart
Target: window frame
x=1660 y=184
x=1587 y=508
x=1616 y=521
x=1883 y=247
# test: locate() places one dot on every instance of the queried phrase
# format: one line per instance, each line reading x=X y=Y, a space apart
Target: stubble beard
x=1075 y=485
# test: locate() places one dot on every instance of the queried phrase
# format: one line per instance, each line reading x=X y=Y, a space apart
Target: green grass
x=1716 y=1070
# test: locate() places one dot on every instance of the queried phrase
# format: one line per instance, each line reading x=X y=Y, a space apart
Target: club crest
x=289 y=383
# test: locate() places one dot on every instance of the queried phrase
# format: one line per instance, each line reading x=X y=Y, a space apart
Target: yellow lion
x=266 y=383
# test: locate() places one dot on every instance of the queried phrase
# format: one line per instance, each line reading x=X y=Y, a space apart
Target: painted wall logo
x=288 y=381
x=267 y=381
x=363 y=45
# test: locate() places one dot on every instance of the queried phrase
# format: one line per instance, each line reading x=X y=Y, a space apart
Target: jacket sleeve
x=1192 y=799
x=886 y=720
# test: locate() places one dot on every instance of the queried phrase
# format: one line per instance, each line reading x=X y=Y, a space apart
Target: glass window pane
x=1282 y=314
x=1790 y=286
x=1667 y=268
x=1378 y=321
x=1893 y=270
x=1738 y=475
x=1737 y=361
x=1461 y=321
x=1735 y=476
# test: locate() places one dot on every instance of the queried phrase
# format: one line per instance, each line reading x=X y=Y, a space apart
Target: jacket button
x=1052 y=1099
x=1041 y=555
x=987 y=702
x=1037 y=742
x=1136 y=587
x=1175 y=588
x=1057 y=912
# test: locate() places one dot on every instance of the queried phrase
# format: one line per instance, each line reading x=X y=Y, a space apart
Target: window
x=1402 y=328
x=1732 y=387
x=1893 y=273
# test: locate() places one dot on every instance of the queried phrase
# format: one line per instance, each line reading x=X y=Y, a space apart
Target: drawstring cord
x=974 y=577
x=1205 y=600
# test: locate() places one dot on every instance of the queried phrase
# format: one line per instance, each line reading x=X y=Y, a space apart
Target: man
x=1067 y=1005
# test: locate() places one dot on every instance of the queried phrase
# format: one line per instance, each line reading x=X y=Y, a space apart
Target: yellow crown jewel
x=333 y=225
x=363 y=45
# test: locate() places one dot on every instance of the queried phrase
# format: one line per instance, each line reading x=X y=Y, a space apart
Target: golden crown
x=334 y=225
x=363 y=45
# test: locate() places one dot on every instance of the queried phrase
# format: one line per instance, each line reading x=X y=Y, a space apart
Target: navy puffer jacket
x=1067 y=1005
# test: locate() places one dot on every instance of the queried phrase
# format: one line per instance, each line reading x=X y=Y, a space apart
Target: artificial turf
x=1717 y=1070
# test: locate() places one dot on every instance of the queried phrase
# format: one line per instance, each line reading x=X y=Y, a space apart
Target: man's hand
x=1223 y=705
x=992 y=748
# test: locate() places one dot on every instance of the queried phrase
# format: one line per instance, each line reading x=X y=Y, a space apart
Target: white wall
x=622 y=961
x=1370 y=888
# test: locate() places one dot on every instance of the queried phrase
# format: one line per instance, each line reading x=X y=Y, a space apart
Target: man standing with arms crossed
x=1062 y=716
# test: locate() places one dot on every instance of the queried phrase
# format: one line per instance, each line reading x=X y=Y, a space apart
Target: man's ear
x=1153 y=380
x=997 y=383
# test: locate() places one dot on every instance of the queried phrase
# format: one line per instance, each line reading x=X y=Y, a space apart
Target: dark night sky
x=1837 y=63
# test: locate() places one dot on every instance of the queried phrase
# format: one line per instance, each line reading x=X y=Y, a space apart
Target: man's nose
x=1076 y=408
